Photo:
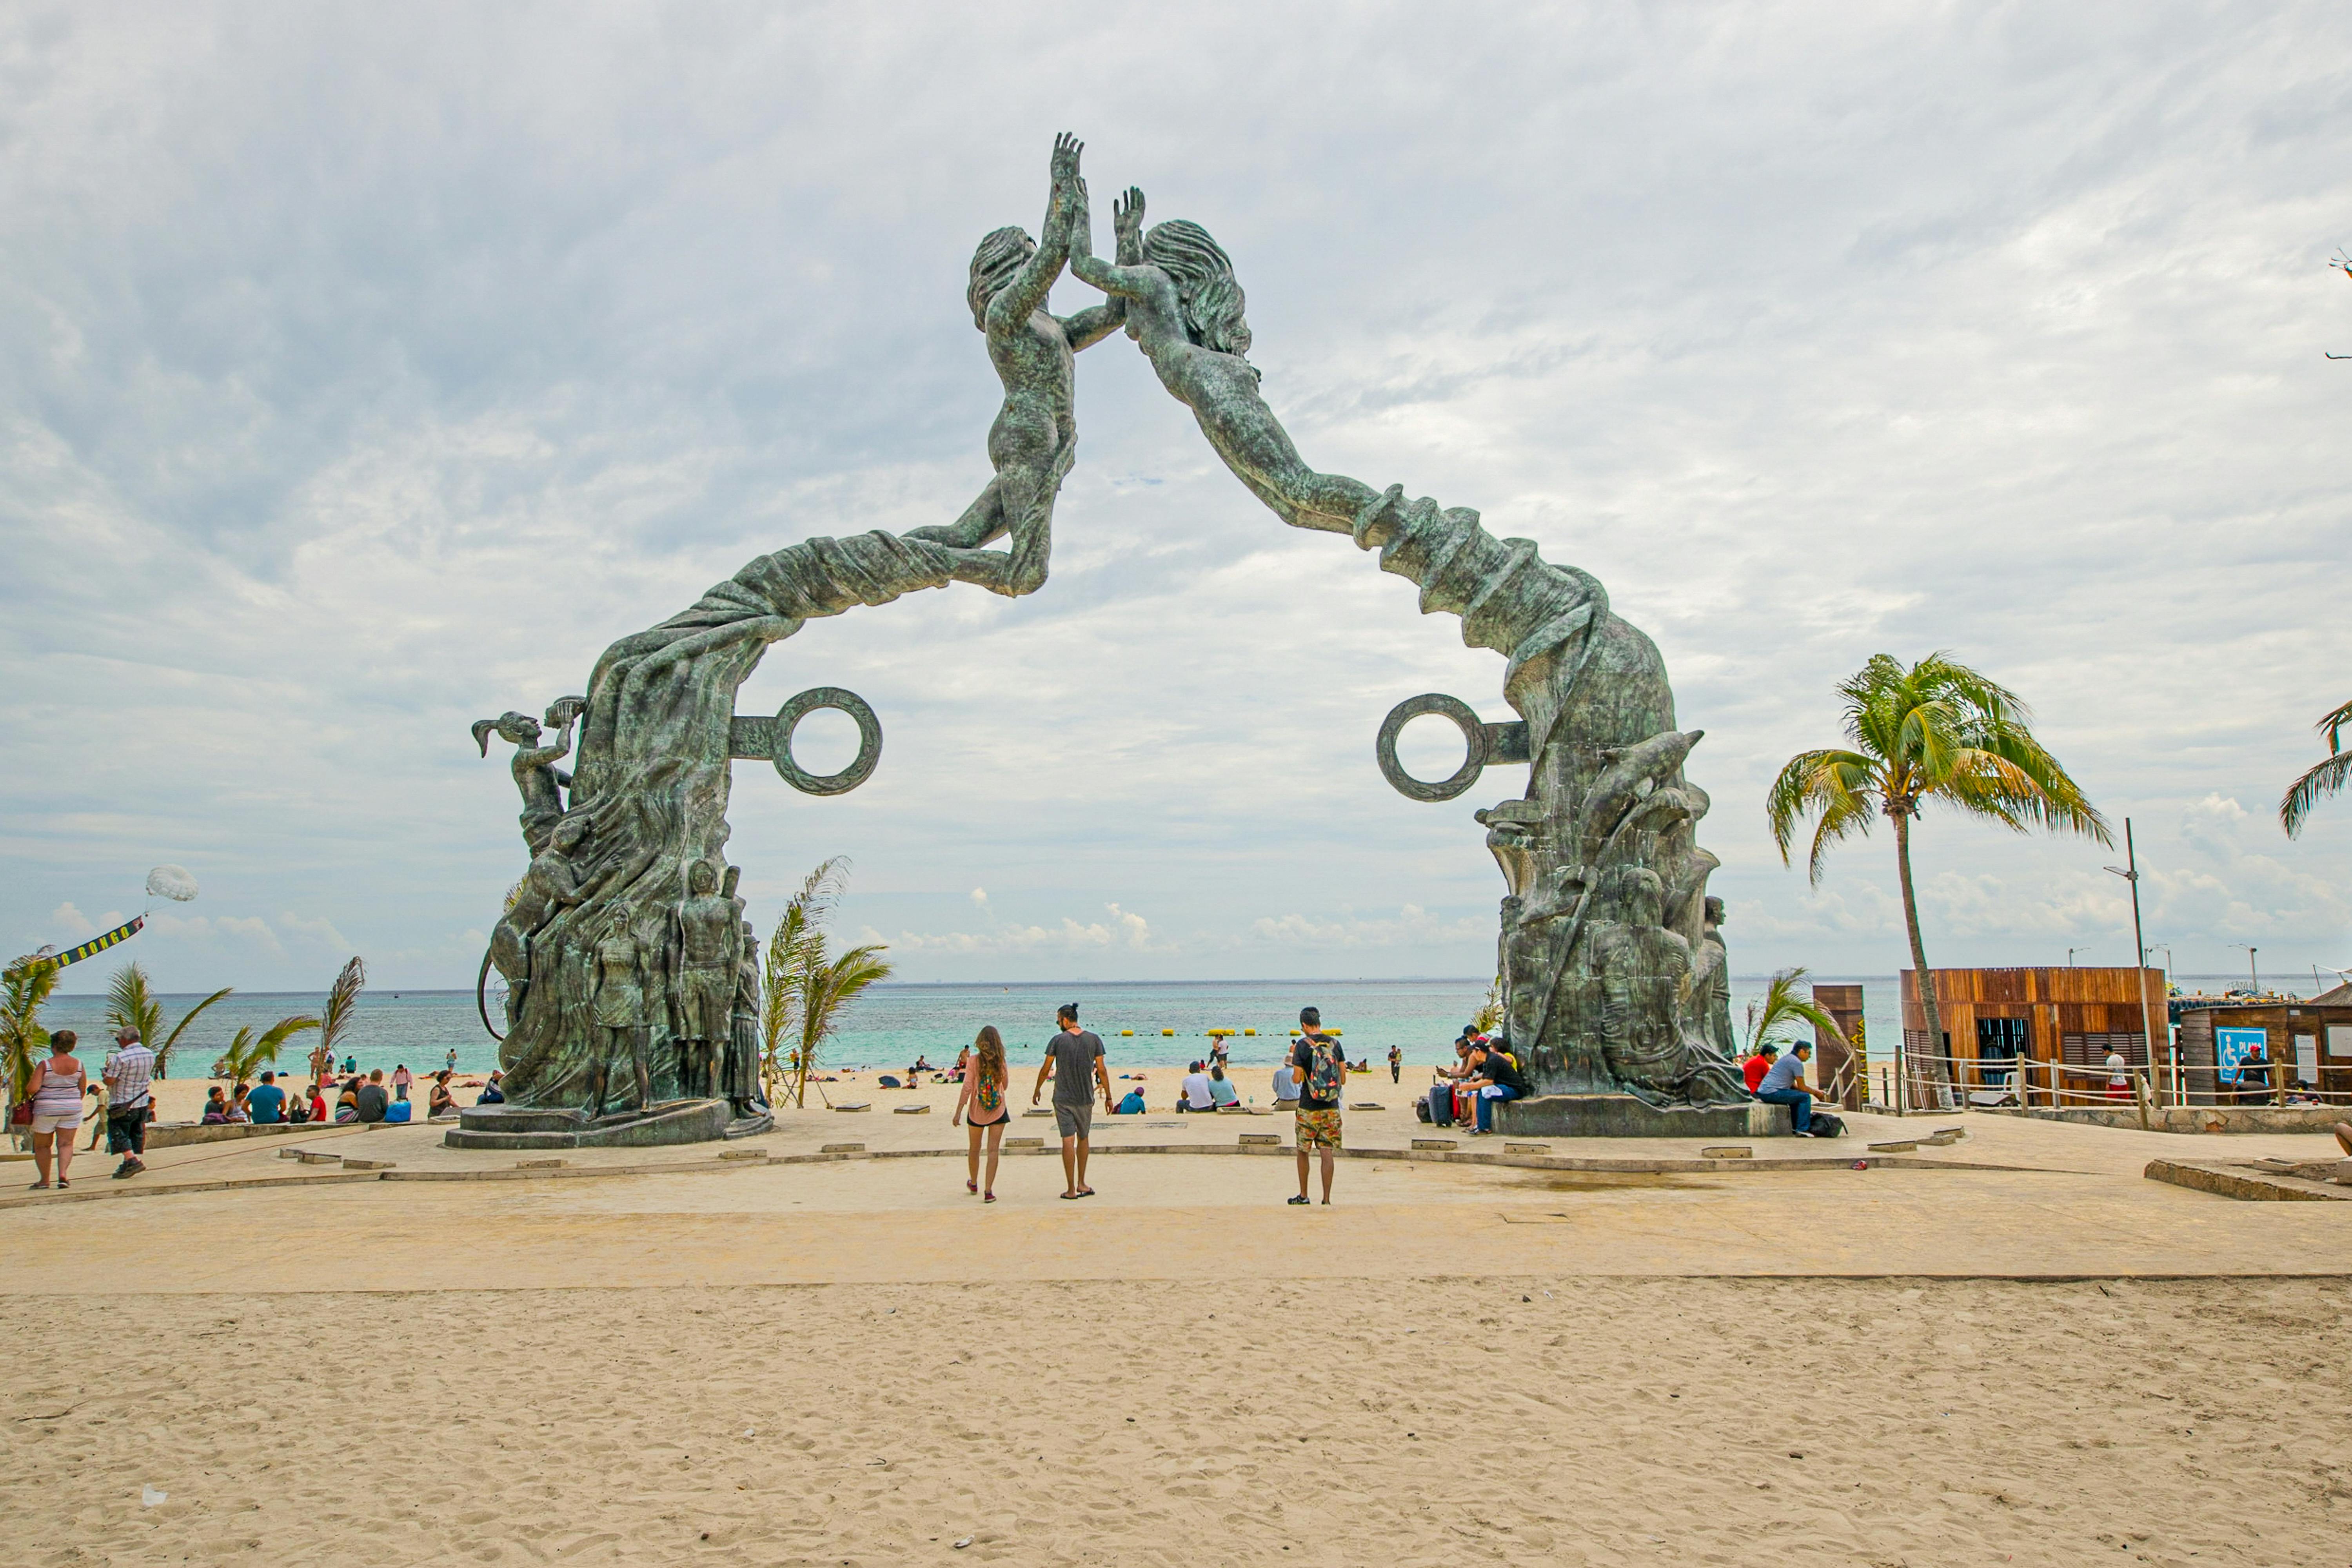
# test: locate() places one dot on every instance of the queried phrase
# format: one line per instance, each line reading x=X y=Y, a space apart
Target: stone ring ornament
x=1482 y=743
x=870 y=741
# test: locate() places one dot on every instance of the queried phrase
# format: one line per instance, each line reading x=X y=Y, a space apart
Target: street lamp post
x=2129 y=872
x=2254 y=975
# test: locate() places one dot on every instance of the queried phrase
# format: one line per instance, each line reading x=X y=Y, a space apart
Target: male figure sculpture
x=535 y=774
x=1034 y=441
x=741 y=1079
x=616 y=1000
x=710 y=938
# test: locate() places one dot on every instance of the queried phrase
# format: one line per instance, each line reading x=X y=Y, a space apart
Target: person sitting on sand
x=1193 y=1093
x=1285 y=1085
x=1221 y=1088
x=1132 y=1105
x=298 y=1104
x=441 y=1103
x=347 y=1102
x=492 y=1094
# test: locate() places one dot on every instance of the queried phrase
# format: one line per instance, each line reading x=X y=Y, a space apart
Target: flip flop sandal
x=39 y=1186
x=63 y=1184
x=1072 y=1197
x=1085 y=1192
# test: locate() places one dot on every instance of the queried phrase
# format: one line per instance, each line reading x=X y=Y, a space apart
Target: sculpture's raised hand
x=1066 y=149
x=1127 y=224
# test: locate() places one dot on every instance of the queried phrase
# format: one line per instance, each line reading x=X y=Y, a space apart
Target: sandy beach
x=2016 y=1349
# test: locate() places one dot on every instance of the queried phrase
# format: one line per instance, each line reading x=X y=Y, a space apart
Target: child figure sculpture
x=1034 y=439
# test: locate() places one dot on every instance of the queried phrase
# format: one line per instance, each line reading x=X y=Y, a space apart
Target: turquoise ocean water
x=891 y=1024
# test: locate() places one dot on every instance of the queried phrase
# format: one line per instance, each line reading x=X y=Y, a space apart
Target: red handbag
x=20 y=1114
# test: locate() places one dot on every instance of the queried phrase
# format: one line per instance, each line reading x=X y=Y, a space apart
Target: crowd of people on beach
x=121 y=1101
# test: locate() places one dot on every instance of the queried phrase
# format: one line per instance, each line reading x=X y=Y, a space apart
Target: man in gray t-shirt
x=1784 y=1084
x=1073 y=1060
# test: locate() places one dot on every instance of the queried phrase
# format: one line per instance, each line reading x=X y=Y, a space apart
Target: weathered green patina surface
x=1612 y=957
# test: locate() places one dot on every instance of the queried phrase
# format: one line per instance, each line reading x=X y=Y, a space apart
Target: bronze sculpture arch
x=1610 y=963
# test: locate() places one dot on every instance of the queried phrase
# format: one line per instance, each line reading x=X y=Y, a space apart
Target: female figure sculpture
x=1184 y=307
x=616 y=1000
x=540 y=782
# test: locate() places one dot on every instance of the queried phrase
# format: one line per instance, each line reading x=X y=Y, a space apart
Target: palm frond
x=342 y=1002
x=130 y=1004
x=2331 y=725
x=26 y=990
x=2321 y=782
x=1783 y=1004
x=1836 y=786
x=248 y=1054
x=163 y=1051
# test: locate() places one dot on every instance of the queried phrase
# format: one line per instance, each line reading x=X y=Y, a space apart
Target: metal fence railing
x=1914 y=1084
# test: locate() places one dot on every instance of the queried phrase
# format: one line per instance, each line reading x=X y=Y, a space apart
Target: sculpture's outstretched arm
x=1026 y=295
x=1091 y=326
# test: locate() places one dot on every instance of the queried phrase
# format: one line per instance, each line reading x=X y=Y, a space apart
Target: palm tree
x=1936 y=731
x=248 y=1055
x=342 y=1003
x=806 y=991
x=1782 y=1006
x=132 y=1003
x=24 y=990
x=2327 y=778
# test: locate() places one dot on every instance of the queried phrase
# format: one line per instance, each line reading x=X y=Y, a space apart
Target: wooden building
x=2048 y=1021
x=1842 y=1068
x=2300 y=1042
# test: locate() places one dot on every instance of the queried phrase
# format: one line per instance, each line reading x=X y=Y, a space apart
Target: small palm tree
x=132 y=1003
x=24 y=990
x=1935 y=731
x=806 y=990
x=2327 y=778
x=1489 y=1015
x=248 y=1054
x=1782 y=1007
x=342 y=1003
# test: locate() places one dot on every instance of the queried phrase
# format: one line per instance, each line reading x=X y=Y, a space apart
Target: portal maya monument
x=631 y=977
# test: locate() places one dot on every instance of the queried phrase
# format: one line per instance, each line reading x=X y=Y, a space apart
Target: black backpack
x=1828 y=1125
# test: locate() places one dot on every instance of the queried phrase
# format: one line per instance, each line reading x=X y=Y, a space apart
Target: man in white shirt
x=1194 y=1090
x=129 y=1075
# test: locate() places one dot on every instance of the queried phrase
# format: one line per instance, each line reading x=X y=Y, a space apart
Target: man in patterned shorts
x=1322 y=1074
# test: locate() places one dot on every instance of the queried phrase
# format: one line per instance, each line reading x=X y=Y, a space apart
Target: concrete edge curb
x=1624 y=1166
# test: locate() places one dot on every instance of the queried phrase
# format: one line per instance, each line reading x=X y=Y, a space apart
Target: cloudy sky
x=364 y=370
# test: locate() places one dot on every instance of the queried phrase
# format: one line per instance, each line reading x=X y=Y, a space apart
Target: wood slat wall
x=2055 y=1002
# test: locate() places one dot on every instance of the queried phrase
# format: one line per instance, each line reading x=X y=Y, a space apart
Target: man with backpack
x=1322 y=1074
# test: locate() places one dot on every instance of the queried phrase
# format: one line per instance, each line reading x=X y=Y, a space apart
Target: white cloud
x=1411 y=926
x=1123 y=931
x=367 y=375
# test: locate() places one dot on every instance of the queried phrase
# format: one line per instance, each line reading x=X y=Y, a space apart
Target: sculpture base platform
x=1623 y=1116
x=522 y=1127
